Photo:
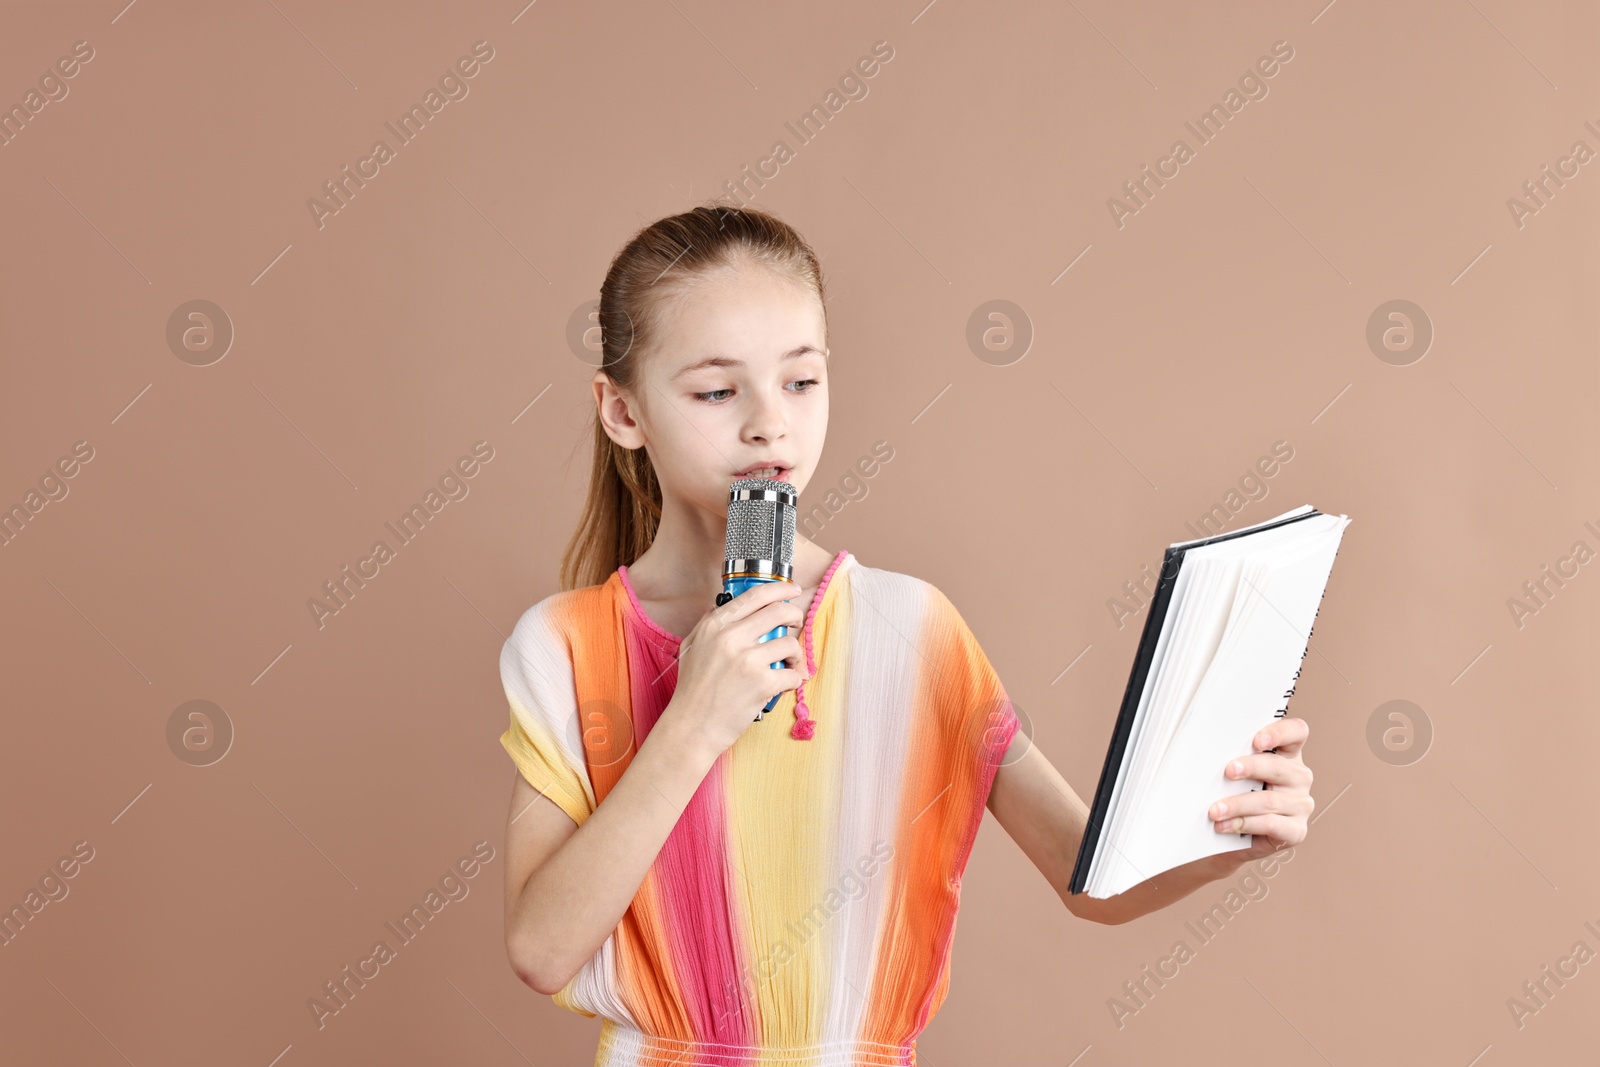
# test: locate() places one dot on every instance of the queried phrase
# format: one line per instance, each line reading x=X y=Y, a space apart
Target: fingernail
x=1235 y=768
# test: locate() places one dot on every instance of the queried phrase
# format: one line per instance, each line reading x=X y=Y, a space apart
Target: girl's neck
x=683 y=562
x=676 y=584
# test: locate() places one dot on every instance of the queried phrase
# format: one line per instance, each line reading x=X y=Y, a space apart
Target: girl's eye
x=711 y=397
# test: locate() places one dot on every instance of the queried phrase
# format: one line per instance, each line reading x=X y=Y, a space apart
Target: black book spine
x=1170 y=565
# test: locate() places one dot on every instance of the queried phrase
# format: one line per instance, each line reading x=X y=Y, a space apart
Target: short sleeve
x=543 y=738
x=973 y=702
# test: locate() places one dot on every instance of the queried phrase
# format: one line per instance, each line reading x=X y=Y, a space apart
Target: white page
x=1175 y=670
x=1106 y=845
x=1244 y=685
x=1179 y=677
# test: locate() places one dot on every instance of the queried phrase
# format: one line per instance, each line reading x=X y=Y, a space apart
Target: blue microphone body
x=732 y=587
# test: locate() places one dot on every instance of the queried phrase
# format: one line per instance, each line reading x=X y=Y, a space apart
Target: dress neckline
x=805 y=726
x=675 y=640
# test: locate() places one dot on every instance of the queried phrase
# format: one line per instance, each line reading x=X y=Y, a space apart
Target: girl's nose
x=765 y=420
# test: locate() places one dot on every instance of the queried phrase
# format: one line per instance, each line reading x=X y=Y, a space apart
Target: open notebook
x=1227 y=629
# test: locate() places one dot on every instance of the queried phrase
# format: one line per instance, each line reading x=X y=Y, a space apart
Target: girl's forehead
x=757 y=318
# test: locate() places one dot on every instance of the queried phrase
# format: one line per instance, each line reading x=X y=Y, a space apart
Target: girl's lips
x=782 y=475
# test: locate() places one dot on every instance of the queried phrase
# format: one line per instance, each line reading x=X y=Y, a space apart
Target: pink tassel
x=804 y=725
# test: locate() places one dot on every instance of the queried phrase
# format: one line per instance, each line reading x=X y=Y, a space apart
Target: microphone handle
x=732 y=587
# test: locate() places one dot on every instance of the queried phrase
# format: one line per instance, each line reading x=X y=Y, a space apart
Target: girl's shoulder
x=564 y=615
x=910 y=605
x=896 y=591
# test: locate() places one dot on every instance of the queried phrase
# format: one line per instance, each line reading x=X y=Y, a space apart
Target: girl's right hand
x=725 y=675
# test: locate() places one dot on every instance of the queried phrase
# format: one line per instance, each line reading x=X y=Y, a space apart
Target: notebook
x=1224 y=639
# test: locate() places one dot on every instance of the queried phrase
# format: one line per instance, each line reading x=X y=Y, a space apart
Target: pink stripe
x=702 y=929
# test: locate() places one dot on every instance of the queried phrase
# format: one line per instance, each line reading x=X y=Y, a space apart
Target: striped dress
x=803 y=909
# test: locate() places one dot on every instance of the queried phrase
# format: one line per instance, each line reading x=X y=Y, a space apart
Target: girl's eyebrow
x=725 y=361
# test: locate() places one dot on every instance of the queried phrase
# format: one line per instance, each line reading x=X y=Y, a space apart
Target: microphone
x=760 y=545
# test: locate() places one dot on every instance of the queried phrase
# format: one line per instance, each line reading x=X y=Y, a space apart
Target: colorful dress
x=803 y=909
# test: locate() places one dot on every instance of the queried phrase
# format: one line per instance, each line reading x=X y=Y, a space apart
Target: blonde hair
x=623 y=508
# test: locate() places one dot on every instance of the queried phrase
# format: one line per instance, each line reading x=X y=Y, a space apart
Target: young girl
x=723 y=891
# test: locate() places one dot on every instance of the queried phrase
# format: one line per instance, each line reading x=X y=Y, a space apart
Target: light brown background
x=370 y=354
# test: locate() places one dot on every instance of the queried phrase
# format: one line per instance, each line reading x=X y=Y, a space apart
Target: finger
x=760 y=594
x=785 y=679
x=1263 y=802
x=750 y=631
x=779 y=613
x=752 y=600
x=785 y=648
x=1284 y=735
x=1282 y=829
x=1276 y=770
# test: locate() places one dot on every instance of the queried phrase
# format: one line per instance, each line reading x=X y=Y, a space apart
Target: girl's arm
x=1047 y=819
x=568 y=886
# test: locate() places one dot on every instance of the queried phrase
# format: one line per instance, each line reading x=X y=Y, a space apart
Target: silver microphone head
x=760 y=538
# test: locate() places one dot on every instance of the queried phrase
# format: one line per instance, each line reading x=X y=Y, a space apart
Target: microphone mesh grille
x=761 y=529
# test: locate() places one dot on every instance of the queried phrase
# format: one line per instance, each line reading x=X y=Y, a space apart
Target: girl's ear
x=616 y=413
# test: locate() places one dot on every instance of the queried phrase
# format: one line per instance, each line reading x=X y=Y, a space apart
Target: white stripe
x=884 y=605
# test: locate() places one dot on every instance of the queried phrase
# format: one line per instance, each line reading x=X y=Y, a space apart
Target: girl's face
x=737 y=376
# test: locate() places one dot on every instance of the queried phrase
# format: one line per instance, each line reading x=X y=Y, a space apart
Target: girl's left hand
x=1275 y=816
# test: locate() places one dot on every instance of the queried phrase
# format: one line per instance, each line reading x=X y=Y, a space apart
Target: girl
x=722 y=891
